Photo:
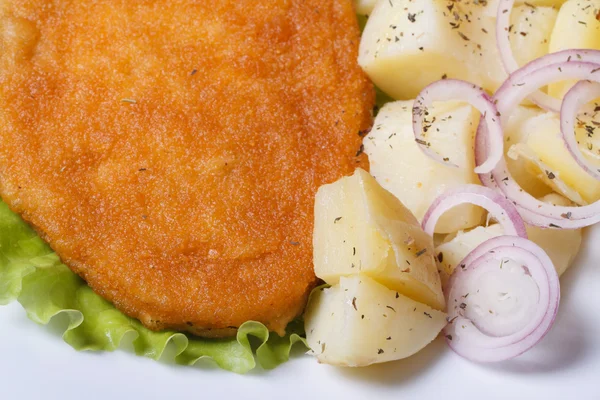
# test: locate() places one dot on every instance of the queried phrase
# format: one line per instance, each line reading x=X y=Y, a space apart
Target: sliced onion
x=507 y=98
x=579 y=95
x=541 y=99
x=453 y=89
x=503 y=36
x=494 y=202
x=479 y=333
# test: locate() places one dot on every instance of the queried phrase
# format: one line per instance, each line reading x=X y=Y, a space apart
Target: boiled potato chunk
x=548 y=157
x=408 y=44
x=361 y=322
x=561 y=245
x=400 y=167
x=577 y=27
x=362 y=228
x=517 y=131
x=531 y=29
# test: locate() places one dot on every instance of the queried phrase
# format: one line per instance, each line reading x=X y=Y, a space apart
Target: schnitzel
x=170 y=151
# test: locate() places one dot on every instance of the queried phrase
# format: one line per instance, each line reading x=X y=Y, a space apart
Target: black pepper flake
x=380 y=351
x=354 y=303
x=337 y=219
x=554 y=226
x=595 y=70
x=463 y=36
x=388 y=338
x=194 y=72
x=362 y=316
x=142 y=169
x=295 y=243
x=523 y=33
x=421 y=252
x=550 y=175
x=397 y=295
x=391 y=308
x=449 y=337
x=463 y=306
x=429 y=315
x=445 y=76
x=566 y=215
x=412 y=17
x=440 y=257
x=364 y=132
x=190 y=323
x=360 y=150
x=354 y=251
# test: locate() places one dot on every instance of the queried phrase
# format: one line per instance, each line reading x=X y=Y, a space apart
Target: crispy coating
x=169 y=151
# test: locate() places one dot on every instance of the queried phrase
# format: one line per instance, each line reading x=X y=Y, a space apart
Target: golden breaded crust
x=169 y=151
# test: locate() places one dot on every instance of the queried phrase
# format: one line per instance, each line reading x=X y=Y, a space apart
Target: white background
x=36 y=364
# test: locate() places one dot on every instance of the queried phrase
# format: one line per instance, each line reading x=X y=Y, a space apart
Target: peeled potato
x=408 y=44
x=552 y=162
x=399 y=166
x=362 y=228
x=561 y=245
x=577 y=27
x=361 y=322
x=517 y=131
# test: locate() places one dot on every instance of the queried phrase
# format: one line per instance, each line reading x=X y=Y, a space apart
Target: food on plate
x=202 y=166
x=503 y=299
x=561 y=245
x=517 y=129
x=399 y=166
x=577 y=27
x=503 y=296
x=361 y=228
x=550 y=161
x=359 y=322
x=407 y=45
x=170 y=155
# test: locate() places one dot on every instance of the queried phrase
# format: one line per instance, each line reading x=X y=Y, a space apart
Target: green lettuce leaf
x=32 y=273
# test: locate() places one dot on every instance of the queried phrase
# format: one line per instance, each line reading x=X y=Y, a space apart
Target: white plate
x=36 y=364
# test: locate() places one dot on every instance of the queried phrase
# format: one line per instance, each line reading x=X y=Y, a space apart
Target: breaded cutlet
x=170 y=151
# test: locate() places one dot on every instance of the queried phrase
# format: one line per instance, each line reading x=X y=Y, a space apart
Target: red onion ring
x=539 y=98
x=579 y=95
x=494 y=202
x=503 y=35
x=510 y=94
x=467 y=333
x=453 y=89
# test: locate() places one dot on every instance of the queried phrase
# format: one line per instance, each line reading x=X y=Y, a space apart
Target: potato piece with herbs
x=361 y=322
x=408 y=44
x=561 y=245
x=362 y=228
x=546 y=156
x=400 y=166
x=577 y=27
